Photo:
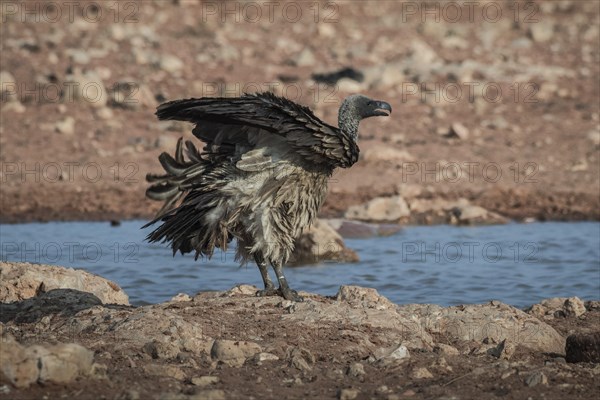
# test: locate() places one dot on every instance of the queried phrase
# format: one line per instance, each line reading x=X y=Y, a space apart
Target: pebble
x=205 y=380
x=66 y=126
x=170 y=63
x=536 y=378
x=421 y=373
x=459 y=130
x=306 y=58
x=356 y=370
x=348 y=394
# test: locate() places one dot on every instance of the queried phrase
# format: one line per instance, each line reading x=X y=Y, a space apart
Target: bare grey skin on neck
x=357 y=107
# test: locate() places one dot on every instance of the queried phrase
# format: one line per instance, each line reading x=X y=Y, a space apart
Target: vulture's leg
x=285 y=290
x=269 y=289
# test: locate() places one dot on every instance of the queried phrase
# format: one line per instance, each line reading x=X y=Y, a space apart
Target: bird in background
x=260 y=179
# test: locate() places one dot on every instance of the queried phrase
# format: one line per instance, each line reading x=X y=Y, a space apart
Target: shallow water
x=518 y=264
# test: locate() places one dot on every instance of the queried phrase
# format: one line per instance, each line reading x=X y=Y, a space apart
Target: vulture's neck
x=348 y=120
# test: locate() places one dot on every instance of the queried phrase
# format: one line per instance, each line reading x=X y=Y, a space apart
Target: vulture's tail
x=193 y=216
x=179 y=178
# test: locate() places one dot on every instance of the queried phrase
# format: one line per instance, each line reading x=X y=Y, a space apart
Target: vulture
x=260 y=179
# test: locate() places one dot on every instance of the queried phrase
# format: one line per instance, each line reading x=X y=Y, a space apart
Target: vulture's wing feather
x=234 y=121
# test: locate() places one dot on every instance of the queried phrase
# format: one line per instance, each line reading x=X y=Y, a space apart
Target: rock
x=233 y=353
x=205 y=380
x=87 y=88
x=504 y=350
x=446 y=350
x=386 y=154
x=165 y=370
x=486 y=321
x=259 y=358
x=8 y=87
x=306 y=58
x=300 y=358
x=537 y=378
x=421 y=373
x=170 y=63
x=20 y=281
x=470 y=212
x=17 y=366
x=548 y=308
x=380 y=209
x=319 y=243
x=542 y=31
x=356 y=370
x=61 y=363
x=358 y=296
x=348 y=394
x=129 y=94
x=583 y=347
x=594 y=136
x=161 y=349
x=394 y=353
x=459 y=130
x=66 y=126
x=213 y=394
x=574 y=307
x=181 y=297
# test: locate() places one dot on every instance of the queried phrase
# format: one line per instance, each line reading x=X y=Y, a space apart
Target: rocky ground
x=498 y=115
x=63 y=341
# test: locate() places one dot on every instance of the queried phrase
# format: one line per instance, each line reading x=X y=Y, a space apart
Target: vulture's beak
x=382 y=109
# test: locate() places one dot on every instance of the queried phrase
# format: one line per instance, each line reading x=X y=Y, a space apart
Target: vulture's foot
x=268 y=291
x=291 y=295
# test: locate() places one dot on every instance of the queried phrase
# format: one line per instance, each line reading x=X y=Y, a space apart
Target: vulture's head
x=357 y=107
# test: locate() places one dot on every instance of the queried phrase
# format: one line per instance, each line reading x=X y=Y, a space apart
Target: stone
x=20 y=281
x=300 y=358
x=320 y=243
x=213 y=394
x=583 y=347
x=459 y=130
x=233 y=353
x=574 y=307
x=421 y=373
x=306 y=58
x=542 y=31
x=86 y=88
x=446 y=350
x=504 y=350
x=348 y=394
x=485 y=321
x=358 y=296
x=536 y=378
x=170 y=371
x=8 y=87
x=161 y=349
x=594 y=136
x=179 y=297
x=170 y=63
x=61 y=363
x=65 y=126
x=129 y=94
x=356 y=370
x=205 y=380
x=380 y=209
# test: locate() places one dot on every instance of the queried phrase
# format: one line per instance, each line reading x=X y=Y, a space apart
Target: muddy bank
x=357 y=344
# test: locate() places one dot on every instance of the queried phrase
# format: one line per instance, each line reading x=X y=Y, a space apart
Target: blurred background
x=80 y=84
x=496 y=109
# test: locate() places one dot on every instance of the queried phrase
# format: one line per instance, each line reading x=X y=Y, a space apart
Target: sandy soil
x=531 y=149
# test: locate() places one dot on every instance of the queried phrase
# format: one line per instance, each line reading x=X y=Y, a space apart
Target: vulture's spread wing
x=224 y=122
